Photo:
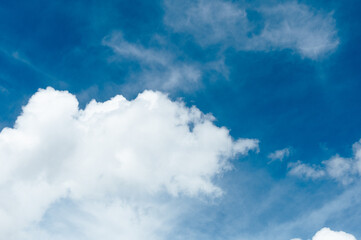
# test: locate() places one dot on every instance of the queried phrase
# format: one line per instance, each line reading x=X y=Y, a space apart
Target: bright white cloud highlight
x=110 y=161
x=328 y=234
x=288 y=25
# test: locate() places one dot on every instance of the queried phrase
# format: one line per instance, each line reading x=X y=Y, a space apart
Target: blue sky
x=283 y=77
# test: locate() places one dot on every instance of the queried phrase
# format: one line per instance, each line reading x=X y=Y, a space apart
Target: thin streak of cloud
x=160 y=69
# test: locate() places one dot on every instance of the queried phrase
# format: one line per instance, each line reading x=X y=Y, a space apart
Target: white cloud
x=210 y=22
x=289 y=25
x=328 y=234
x=160 y=68
x=279 y=154
x=296 y=26
x=343 y=170
x=302 y=170
x=356 y=147
x=110 y=162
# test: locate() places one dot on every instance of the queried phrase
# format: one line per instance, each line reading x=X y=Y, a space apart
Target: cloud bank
x=103 y=169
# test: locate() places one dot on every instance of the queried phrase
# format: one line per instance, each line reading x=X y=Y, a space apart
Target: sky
x=178 y=119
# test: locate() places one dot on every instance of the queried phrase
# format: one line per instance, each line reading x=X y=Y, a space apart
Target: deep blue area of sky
x=278 y=97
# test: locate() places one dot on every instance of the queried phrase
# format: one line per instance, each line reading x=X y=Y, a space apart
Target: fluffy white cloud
x=343 y=170
x=288 y=25
x=101 y=170
x=328 y=234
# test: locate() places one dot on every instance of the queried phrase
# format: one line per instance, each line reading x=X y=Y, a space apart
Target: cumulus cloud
x=300 y=169
x=328 y=234
x=288 y=25
x=160 y=68
x=343 y=170
x=279 y=154
x=101 y=170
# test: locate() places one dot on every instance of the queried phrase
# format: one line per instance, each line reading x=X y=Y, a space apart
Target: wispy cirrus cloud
x=209 y=22
x=288 y=25
x=296 y=26
x=224 y=24
x=279 y=154
x=19 y=57
x=160 y=69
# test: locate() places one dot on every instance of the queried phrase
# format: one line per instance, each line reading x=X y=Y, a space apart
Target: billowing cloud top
x=103 y=155
x=328 y=234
